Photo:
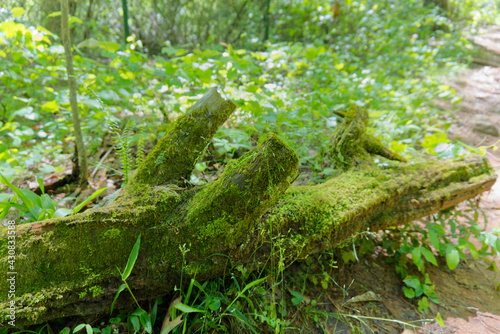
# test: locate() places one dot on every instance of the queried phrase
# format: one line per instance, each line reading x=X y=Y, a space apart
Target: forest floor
x=468 y=300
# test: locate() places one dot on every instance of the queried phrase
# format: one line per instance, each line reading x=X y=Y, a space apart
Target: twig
x=102 y=159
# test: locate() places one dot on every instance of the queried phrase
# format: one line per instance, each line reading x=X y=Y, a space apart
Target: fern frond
x=141 y=155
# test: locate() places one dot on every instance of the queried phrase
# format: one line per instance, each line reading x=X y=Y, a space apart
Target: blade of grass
x=94 y=195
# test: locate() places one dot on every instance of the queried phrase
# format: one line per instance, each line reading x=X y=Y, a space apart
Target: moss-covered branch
x=173 y=159
x=351 y=145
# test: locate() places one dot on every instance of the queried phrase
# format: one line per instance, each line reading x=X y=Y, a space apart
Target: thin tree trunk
x=82 y=156
x=125 y=20
x=266 y=20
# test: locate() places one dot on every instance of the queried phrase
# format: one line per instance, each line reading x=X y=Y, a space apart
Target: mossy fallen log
x=67 y=266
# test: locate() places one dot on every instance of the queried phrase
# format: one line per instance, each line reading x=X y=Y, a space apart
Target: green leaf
x=187 y=309
x=34 y=198
x=39 y=179
x=154 y=312
x=297 y=298
x=145 y=321
x=412 y=281
x=54 y=14
x=434 y=239
x=409 y=293
x=18 y=11
x=89 y=43
x=89 y=329
x=429 y=256
x=109 y=46
x=214 y=304
x=252 y=284
x=135 y=323
x=439 y=229
x=74 y=19
x=26 y=201
x=47 y=202
x=120 y=289
x=452 y=257
x=94 y=195
x=473 y=250
x=19 y=206
x=416 y=255
x=5 y=206
x=348 y=256
x=492 y=266
x=62 y=213
x=50 y=106
x=65 y=330
x=36 y=213
x=432 y=141
x=423 y=304
x=132 y=258
x=79 y=327
x=236 y=313
x=439 y=320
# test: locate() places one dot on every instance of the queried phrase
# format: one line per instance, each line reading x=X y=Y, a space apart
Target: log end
x=251 y=183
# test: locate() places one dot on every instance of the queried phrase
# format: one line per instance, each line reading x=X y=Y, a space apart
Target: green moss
x=322 y=216
x=96 y=290
x=351 y=145
x=173 y=159
x=112 y=233
x=227 y=208
x=346 y=147
x=77 y=253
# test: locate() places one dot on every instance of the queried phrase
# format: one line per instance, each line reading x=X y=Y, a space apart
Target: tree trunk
x=82 y=153
x=67 y=266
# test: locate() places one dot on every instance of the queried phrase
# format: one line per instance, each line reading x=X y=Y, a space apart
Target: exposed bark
x=66 y=266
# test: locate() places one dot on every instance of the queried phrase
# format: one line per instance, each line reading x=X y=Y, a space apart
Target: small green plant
x=141 y=148
x=206 y=306
x=88 y=329
x=446 y=235
x=140 y=318
x=35 y=207
x=122 y=142
x=127 y=271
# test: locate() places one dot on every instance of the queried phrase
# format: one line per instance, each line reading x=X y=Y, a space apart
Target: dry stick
x=82 y=157
x=102 y=159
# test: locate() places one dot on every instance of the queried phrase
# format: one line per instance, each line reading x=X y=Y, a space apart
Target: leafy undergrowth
x=385 y=56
